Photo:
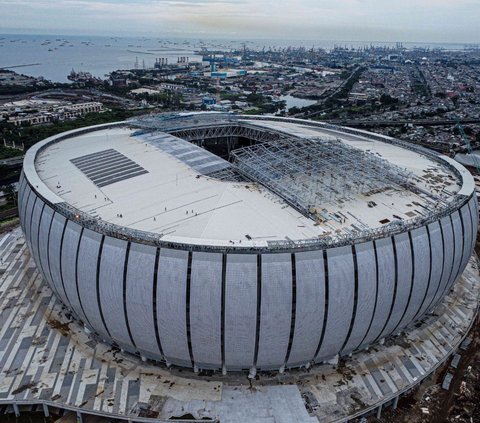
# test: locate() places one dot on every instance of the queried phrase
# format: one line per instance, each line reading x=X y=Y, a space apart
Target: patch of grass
x=7 y=152
x=7 y=224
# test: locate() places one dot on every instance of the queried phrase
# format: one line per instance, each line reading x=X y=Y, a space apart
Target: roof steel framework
x=309 y=172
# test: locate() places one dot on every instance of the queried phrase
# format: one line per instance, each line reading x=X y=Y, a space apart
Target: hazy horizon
x=194 y=37
x=426 y=21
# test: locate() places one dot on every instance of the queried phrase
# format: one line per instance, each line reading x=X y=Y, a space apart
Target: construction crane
x=475 y=158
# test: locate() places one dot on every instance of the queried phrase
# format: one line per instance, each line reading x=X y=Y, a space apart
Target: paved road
x=421 y=122
x=13 y=161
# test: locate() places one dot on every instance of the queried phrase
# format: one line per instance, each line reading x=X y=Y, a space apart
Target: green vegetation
x=346 y=88
x=9 y=174
x=263 y=103
x=7 y=152
x=230 y=96
x=252 y=112
x=420 y=84
x=272 y=107
x=168 y=99
x=15 y=89
x=256 y=99
x=335 y=100
x=30 y=135
x=388 y=100
x=21 y=89
x=8 y=224
x=10 y=199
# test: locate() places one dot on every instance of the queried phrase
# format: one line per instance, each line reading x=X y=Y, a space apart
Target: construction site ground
x=430 y=403
x=48 y=359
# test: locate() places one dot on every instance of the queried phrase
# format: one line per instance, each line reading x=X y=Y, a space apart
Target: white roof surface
x=175 y=200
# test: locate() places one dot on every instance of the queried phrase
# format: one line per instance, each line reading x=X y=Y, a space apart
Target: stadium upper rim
x=104 y=227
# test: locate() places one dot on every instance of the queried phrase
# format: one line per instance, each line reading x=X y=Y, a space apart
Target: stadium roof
x=158 y=183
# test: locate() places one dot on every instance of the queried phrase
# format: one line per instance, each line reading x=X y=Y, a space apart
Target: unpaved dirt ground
x=431 y=404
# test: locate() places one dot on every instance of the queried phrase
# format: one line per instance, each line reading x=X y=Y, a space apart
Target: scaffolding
x=252 y=132
x=170 y=122
x=310 y=172
x=438 y=207
x=198 y=128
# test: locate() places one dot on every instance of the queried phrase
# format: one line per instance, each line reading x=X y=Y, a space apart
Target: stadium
x=244 y=243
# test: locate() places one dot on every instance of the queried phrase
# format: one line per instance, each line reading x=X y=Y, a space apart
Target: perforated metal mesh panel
x=192 y=155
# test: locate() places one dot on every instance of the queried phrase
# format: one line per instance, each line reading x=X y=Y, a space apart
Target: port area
x=48 y=361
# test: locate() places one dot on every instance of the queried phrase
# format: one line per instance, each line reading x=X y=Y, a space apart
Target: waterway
x=292 y=101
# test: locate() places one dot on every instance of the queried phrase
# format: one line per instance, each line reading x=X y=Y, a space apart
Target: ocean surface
x=54 y=56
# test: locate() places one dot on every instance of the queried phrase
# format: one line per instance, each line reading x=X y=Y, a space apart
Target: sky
x=453 y=21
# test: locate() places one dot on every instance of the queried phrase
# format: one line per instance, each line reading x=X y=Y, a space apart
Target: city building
x=35 y=112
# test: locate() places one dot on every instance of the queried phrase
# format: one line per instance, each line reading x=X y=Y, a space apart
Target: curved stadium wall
x=237 y=309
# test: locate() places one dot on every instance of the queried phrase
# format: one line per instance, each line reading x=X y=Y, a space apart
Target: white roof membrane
x=176 y=197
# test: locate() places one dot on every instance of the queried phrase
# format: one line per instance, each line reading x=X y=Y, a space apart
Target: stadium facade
x=311 y=241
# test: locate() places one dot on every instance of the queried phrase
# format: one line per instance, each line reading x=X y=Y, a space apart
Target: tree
x=10 y=194
x=387 y=100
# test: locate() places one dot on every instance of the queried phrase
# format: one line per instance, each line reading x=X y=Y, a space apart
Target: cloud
x=405 y=20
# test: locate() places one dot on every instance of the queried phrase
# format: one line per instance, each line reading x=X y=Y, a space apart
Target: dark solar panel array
x=107 y=167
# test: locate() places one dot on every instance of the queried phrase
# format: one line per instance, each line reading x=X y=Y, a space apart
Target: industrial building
x=244 y=243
